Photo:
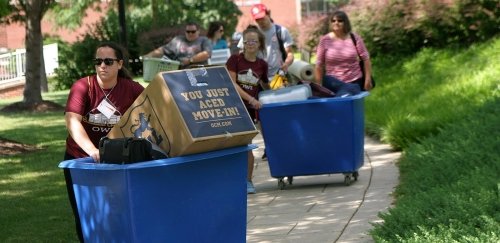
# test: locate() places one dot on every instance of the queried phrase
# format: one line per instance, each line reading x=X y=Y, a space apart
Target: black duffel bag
x=128 y=150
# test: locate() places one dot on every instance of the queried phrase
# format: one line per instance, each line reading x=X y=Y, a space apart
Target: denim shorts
x=340 y=88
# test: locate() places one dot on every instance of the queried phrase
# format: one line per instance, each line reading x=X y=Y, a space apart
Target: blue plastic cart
x=194 y=198
x=314 y=136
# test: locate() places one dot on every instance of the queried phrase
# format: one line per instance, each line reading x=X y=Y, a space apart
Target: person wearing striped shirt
x=337 y=63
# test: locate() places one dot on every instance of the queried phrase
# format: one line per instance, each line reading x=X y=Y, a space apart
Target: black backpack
x=280 y=41
x=128 y=150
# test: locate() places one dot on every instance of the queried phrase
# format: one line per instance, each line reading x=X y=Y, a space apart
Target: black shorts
x=254 y=114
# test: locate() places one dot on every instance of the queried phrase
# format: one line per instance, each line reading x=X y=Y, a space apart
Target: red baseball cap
x=259 y=11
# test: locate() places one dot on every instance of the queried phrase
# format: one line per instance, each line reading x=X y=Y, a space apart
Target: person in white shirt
x=278 y=56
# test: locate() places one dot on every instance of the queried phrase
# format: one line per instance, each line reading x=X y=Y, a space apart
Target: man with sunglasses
x=189 y=49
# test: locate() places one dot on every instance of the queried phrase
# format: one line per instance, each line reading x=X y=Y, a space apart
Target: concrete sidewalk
x=321 y=208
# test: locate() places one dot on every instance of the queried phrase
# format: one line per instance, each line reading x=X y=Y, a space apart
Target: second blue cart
x=314 y=136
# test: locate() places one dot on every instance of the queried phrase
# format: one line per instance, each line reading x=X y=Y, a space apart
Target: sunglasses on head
x=107 y=61
x=250 y=42
x=337 y=20
x=191 y=31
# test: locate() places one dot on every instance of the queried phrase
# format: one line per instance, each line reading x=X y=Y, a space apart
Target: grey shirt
x=180 y=47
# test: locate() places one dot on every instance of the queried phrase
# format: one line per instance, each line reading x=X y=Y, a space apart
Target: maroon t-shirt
x=248 y=74
x=84 y=98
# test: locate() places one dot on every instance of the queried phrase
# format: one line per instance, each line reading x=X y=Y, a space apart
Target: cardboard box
x=189 y=111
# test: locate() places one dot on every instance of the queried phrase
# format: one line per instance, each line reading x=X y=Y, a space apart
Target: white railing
x=13 y=65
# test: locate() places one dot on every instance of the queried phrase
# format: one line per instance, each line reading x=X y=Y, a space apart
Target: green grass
x=441 y=107
x=449 y=190
x=33 y=201
x=418 y=95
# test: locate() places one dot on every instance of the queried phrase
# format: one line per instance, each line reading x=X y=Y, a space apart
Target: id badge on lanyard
x=106 y=108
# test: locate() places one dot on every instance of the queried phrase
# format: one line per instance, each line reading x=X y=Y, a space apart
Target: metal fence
x=13 y=65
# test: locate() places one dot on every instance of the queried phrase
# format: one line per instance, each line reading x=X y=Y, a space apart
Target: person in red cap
x=278 y=44
x=278 y=54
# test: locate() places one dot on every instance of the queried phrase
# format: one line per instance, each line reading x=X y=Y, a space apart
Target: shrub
x=309 y=32
x=403 y=26
x=74 y=62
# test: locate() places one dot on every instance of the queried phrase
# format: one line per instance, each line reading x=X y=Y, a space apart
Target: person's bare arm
x=289 y=59
x=318 y=74
x=158 y=52
x=243 y=94
x=198 y=57
x=368 y=74
x=77 y=132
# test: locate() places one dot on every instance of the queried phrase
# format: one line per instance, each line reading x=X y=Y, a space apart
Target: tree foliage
x=69 y=13
x=5 y=9
x=149 y=26
x=405 y=26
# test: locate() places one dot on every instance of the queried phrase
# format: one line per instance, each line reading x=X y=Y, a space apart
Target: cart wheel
x=347 y=180
x=290 y=180
x=281 y=184
x=355 y=175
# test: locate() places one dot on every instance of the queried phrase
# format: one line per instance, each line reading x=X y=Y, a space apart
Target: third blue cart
x=314 y=136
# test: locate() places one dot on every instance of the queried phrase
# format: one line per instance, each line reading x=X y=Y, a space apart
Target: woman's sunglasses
x=337 y=20
x=250 y=42
x=107 y=61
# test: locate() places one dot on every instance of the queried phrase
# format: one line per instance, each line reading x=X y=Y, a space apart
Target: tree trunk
x=154 y=13
x=123 y=26
x=34 y=52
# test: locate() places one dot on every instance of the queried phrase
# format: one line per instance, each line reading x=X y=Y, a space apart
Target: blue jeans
x=340 y=88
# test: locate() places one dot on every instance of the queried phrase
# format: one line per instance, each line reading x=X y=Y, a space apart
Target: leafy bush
x=308 y=33
x=74 y=62
x=312 y=27
x=404 y=27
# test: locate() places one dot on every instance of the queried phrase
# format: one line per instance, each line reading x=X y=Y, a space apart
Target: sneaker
x=264 y=156
x=250 y=188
